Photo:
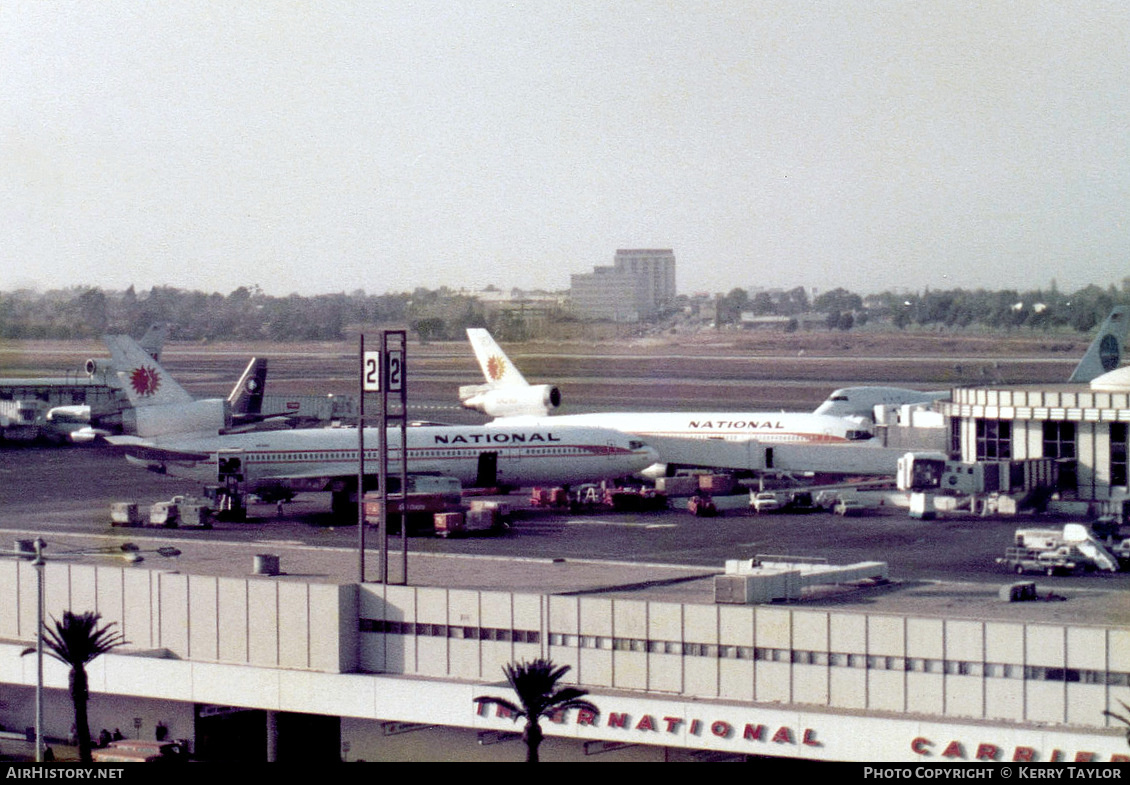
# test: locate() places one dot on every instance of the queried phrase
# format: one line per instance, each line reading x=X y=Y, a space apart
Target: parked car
x=765 y=501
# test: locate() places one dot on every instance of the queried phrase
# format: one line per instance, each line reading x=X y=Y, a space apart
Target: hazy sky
x=332 y=146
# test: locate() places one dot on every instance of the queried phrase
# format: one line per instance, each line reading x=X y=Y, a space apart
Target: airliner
x=1102 y=356
x=75 y=421
x=510 y=399
x=858 y=403
x=507 y=393
x=187 y=439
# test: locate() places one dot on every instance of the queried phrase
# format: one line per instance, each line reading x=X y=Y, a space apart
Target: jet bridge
x=754 y=456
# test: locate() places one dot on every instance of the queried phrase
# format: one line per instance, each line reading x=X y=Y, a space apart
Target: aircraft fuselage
x=517 y=456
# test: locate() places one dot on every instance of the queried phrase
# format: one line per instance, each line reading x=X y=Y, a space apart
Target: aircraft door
x=229 y=466
x=487 y=473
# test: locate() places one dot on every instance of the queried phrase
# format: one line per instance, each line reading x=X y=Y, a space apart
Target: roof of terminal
x=1106 y=604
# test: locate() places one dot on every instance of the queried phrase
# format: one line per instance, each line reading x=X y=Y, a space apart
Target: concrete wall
x=947 y=668
x=1048 y=673
x=245 y=621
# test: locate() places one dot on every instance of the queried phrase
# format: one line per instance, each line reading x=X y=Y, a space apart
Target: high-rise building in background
x=639 y=285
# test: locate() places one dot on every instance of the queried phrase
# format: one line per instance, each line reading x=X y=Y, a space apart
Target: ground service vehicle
x=1022 y=560
x=138 y=751
x=848 y=508
x=702 y=506
x=1054 y=551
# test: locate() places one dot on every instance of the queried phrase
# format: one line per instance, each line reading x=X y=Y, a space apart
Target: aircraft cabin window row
x=262 y=457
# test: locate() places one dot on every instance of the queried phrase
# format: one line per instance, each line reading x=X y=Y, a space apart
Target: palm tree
x=539 y=696
x=76 y=641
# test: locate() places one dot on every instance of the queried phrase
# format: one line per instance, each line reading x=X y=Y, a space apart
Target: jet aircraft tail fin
x=141 y=377
x=506 y=392
x=1105 y=352
x=246 y=397
x=497 y=368
x=154 y=339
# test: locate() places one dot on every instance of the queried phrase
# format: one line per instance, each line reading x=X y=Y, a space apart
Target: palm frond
x=516 y=711
x=535 y=684
x=1123 y=718
x=77 y=639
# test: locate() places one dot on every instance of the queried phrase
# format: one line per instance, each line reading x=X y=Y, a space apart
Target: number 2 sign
x=393 y=371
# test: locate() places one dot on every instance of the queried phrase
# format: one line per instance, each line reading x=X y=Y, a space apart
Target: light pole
x=38 y=563
x=127 y=551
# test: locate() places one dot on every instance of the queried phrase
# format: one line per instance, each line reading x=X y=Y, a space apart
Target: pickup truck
x=1049 y=562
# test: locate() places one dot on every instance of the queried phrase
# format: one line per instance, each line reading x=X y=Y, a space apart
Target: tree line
x=443 y=314
x=957 y=309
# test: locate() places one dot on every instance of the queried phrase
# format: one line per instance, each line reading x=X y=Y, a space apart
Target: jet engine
x=96 y=367
x=536 y=399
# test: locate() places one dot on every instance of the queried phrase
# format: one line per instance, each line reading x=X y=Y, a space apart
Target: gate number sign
x=393 y=371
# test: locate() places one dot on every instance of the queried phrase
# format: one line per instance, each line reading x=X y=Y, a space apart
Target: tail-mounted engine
x=537 y=399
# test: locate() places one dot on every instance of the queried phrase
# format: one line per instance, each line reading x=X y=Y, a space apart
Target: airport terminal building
x=301 y=666
x=1082 y=426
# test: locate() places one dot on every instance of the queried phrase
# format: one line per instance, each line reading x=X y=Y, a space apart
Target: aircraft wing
x=242 y=423
x=146 y=450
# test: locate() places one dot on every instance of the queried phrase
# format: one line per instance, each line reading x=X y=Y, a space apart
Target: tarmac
x=944 y=567
x=1101 y=603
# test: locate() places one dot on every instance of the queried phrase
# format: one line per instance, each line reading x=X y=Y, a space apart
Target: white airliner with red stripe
x=323 y=459
x=508 y=397
x=780 y=428
x=186 y=439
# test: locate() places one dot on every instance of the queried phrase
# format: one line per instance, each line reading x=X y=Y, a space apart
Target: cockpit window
x=635 y=445
x=839 y=398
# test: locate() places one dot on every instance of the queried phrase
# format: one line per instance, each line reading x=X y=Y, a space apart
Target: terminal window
x=1118 y=464
x=994 y=440
x=1059 y=439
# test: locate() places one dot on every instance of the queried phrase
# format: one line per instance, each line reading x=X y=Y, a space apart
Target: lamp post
x=128 y=551
x=38 y=563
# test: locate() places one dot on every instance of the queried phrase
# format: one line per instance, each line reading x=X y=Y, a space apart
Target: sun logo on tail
x=496 y=367
x=144 y=381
